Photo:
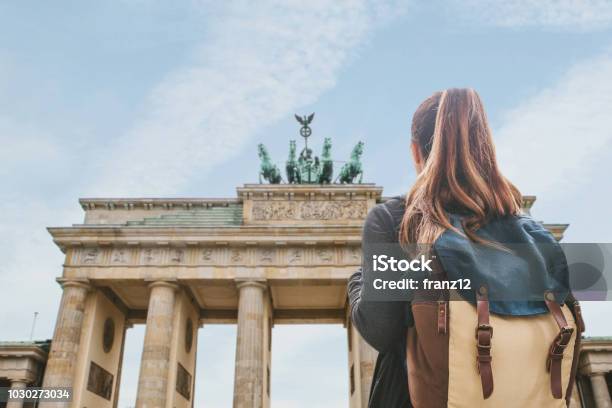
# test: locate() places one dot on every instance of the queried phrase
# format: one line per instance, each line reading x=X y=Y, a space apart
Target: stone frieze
x=226 y=255
x=266 y=210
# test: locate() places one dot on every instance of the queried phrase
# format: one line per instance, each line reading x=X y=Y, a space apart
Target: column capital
x=74 y=282
x=258 y=283
x=163 y=283
x=595 y=362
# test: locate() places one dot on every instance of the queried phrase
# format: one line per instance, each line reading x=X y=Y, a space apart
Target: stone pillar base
x=19 y=384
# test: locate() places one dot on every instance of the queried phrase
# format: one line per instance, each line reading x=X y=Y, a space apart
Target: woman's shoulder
x=384 y=220
x=518 y=228
x=528 y=222
x=391 y=210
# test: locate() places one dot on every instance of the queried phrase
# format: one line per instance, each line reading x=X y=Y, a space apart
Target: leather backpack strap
x=443 y=296
x=558 y=346
x=574 y=306
x=484 y=334
x=442 y=317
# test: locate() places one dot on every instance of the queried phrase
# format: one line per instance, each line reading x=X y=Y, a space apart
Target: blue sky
x=151 y=98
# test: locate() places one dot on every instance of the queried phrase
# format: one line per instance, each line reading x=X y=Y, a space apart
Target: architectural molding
x=74 y=282
x=596 y=356
x=163 y=283
x=251 y=282
x=110 y=204
x=309 y=191
x=90 y=237
x=164 y=255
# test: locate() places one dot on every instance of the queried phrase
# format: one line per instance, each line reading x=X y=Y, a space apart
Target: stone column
x=362 y=360
x=67 y=337
x=248 y=377
x=367 y=362
x=19 y=384
x=155 y=363
x=126 y=325
x=601 y=394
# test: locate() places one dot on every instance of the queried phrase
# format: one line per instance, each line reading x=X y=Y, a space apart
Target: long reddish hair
x=460 y=172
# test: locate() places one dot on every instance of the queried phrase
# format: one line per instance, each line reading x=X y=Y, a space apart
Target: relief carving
x=150 y=255
x=90 y=255
x=274 y=210
x=309 y=210
x=266 y=255
x=100 y=381
x=177 y=256
x=236 y=255
x=119 y=255
x=231 y=255
x=183 y=382
x=325 y=254
x=295 y=256
x=207 y=254
x=354 y=254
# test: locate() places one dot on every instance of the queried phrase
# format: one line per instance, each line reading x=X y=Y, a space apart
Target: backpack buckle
x=563 y=338
x=484 y=327
x=559 y=345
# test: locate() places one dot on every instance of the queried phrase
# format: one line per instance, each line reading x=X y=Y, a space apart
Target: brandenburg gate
x=276 y=254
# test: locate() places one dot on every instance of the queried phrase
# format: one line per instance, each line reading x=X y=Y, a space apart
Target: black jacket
x=383 y=324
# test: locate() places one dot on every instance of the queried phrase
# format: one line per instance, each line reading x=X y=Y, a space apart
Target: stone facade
x=22 y=364
x=276 y=254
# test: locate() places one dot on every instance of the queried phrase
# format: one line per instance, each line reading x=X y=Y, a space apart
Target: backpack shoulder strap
x=557 y=348
x=574 y=306
x=484 y=334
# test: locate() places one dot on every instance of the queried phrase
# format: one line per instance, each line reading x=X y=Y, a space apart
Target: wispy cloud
x=557 y=145
x=557 y=14
x=555 y=142
x=259 y=62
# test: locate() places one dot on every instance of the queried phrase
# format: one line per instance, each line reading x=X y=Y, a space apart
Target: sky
x=148 y=98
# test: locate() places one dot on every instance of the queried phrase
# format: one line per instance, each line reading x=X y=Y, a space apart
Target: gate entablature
x=307 y=204
x=303 y=241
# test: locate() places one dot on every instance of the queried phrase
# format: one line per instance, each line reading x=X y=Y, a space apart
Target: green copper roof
x=43 y=344
x=217 y=216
